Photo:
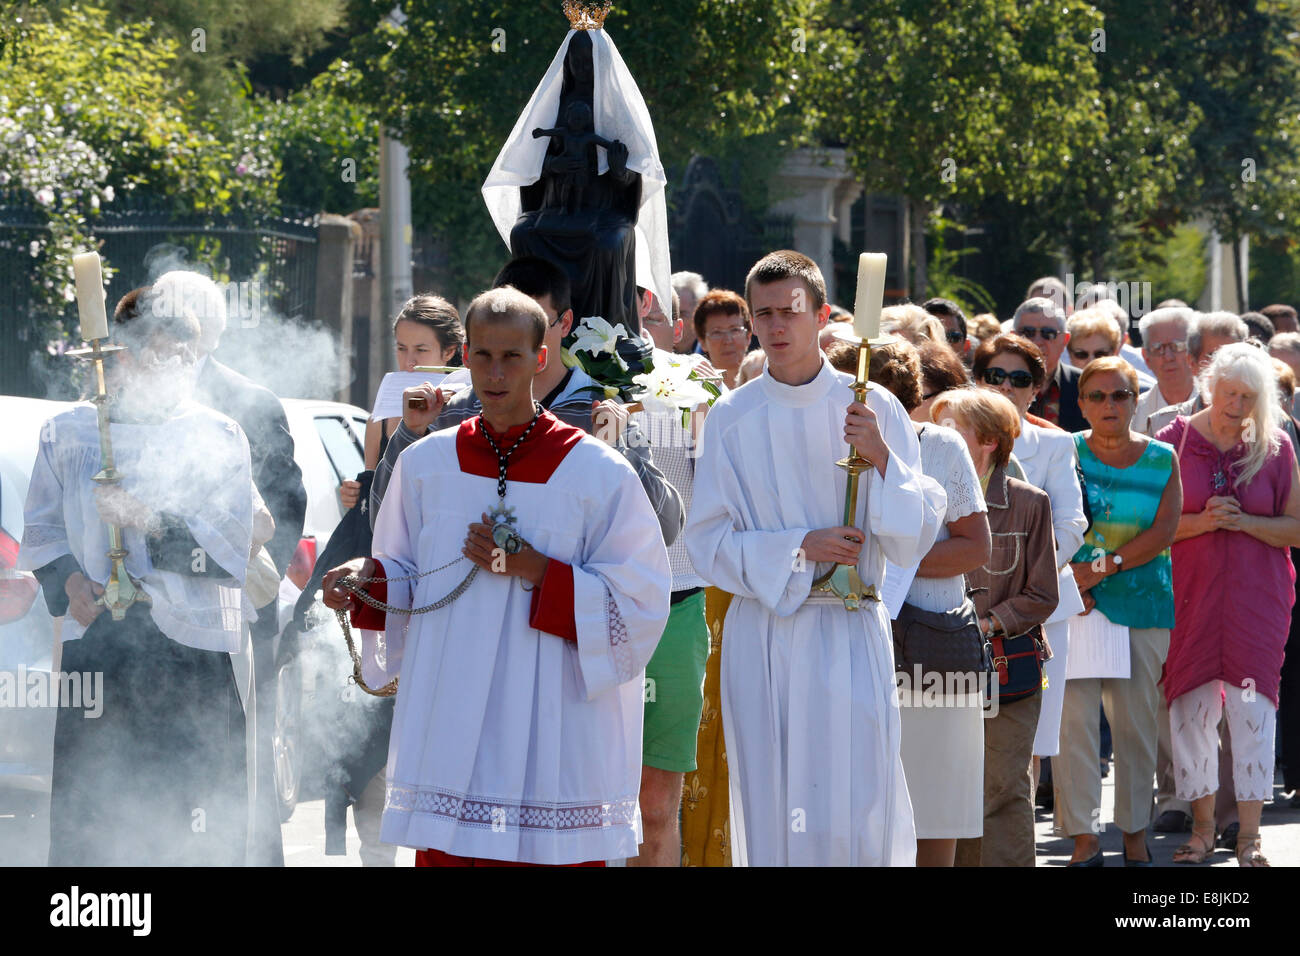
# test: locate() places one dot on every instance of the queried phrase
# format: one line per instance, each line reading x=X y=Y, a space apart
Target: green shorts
x=674 y=688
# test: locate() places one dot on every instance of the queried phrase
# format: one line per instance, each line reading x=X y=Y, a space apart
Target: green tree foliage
x=453 y=79
x=1236 y=64
x=89 y=112
x=217 y=39
x=951 y=103
x=328 y=148
x=1123 y=180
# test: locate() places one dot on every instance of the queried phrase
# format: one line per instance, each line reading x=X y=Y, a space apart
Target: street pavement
x=1279 y=836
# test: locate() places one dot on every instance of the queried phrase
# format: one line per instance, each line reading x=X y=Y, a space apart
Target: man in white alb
x=517 y=732
x=808 y=694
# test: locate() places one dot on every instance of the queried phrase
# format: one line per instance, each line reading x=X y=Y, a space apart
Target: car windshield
x=341 y=445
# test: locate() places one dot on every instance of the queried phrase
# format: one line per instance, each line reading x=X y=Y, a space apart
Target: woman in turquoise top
x=1124 y=572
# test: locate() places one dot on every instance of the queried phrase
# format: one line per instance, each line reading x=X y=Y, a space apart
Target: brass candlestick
x=120 y=592
x=842 y=580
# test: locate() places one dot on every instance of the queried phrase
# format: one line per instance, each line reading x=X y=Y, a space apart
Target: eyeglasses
x=1046 y=333
x=734 y=332
x=1167 y=348
x=1119 y=396
x=996 y=376
x=954 y=336
x=1083 y=355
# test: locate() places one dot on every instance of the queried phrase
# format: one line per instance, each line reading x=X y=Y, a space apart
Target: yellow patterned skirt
x=706 y=817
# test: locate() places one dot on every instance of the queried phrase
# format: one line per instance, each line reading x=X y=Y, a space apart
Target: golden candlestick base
x=842 y=580
x=120 y=592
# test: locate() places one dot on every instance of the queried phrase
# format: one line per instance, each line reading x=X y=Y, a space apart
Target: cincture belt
x=818 y=596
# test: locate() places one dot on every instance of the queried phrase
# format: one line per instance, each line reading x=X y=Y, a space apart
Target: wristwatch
x=1119 y=561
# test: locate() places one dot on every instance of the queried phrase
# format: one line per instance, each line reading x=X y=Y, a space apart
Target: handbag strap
x=1000 y=660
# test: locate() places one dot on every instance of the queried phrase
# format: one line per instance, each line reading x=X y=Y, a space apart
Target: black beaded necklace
x=503 y=458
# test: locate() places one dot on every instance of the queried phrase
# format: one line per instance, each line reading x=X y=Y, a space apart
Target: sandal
x=1199 y=851
x=1248 y=851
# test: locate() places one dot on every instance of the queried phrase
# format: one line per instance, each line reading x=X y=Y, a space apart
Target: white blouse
x=945 y=458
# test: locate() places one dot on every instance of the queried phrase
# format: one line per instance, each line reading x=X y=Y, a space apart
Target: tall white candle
x=871 y=294
x=90 y=296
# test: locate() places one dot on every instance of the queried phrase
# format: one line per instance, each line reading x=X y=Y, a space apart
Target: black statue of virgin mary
x=583 y=221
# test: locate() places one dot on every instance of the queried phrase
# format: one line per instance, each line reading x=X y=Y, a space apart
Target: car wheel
x=287 y=739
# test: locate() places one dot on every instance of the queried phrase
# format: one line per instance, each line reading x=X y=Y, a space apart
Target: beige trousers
x=1008 y=789
x=1133 y=708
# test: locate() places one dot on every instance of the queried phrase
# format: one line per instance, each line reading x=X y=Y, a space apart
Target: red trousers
x=438 y=858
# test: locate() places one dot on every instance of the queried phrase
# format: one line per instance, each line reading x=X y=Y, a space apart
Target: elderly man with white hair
x=256 y=409
x=1165 y=334
x=690 y=288
x=277 y=477
x=1042 y=321
x=1208 y=333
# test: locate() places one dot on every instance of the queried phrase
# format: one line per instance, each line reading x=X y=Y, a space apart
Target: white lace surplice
x=196 y=466
x=808 y=694
x=510 y=743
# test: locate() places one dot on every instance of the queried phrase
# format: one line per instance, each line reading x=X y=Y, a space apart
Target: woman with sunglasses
x=1233 y=592
x=1014 y=366
x=1124 y=572
x=1092 y=335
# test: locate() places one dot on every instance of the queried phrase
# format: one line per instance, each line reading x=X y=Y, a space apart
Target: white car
x=312 y=667
x=26 y=649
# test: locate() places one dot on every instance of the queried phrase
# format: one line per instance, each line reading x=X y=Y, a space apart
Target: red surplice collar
x=534 y=461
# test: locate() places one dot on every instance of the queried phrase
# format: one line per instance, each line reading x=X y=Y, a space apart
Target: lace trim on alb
x=620 y=648
x=40 y=535
x=476 y=812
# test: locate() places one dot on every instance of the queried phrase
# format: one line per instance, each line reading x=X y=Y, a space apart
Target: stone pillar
x=1221 y=291
x=337 y=241
x=816 y=189
x=369 y=347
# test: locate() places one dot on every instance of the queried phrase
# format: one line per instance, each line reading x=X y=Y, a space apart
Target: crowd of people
x=619 y=636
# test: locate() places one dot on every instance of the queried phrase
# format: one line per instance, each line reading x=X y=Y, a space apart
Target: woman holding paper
x=1125 y=575
x=1233 y=592
x=427 y=332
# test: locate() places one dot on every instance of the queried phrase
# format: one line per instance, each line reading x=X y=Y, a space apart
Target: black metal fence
x=274 y=258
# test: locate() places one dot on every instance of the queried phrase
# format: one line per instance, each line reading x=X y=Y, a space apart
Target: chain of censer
x=356 y=585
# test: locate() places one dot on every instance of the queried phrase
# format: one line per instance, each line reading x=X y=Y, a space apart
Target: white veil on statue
x=619 y=113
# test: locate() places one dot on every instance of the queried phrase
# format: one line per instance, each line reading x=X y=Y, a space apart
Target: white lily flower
x=668 y=387
x=595 y=335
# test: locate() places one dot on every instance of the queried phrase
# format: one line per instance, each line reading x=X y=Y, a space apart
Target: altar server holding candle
x=808 y=694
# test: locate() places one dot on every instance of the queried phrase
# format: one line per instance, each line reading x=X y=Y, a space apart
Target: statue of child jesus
x=571 y=166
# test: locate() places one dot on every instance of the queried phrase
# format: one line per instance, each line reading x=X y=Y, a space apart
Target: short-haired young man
x=569 y=393
x=517 y=732
x=808 y=693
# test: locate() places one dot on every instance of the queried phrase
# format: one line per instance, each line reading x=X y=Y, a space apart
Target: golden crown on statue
x=586 y=16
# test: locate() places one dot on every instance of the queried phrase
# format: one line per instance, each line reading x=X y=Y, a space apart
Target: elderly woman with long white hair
x=1234 y=586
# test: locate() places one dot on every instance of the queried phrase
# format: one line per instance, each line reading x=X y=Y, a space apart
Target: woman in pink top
x=1233 y=590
